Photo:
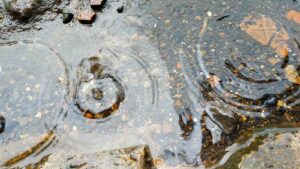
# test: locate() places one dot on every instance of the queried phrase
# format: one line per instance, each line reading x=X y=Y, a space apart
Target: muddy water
x=189 y=79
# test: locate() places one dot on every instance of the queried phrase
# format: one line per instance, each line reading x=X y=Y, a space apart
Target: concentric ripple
x=99 y=93
x=33 y=89
x=250 y=81
x=115 y=92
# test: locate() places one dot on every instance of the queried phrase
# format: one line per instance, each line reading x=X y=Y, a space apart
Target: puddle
x=33 y=92
x=193 y=80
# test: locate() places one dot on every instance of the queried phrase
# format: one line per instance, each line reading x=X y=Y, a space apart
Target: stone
x=294 y=16
x=292 y=74
x=86 y=17
x=120 y=9
x=278 y=151
x=22 y=9
x=2 y=124
x=263 y=29
x=67 y=17
x=97 y=4
x=125 y=158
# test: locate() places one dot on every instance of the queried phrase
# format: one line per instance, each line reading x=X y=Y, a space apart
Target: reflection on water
x=188 y=78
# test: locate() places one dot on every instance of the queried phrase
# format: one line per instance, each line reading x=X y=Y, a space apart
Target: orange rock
x=279 y=43
x=282 y=50
x=279 y=38
x=178 y=65
x=89 y=115
x=262 y=30
x=294 y=16
x=291 y=74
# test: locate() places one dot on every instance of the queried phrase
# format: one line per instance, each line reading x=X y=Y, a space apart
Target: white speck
x=0 y=69
x=74 y=128
x=147 y=84
x=28 y=89
x=30 y=98
x=37 y=86
x=38 y=115
x=209 y=13
x=23 y=135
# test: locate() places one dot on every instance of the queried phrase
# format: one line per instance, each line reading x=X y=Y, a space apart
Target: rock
x=126 y=158
x=22 y=9
x=120 y=9
x=263 y=29
x=86 y=17
x=294 y=16
x=292 y=74
x=97 y=4
x=278 y=151
x=67 y=17
x=2 y=124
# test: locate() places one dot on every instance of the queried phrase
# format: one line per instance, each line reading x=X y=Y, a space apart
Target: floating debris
x=223 y=17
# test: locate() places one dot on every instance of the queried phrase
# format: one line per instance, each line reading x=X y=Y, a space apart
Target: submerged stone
x=2 y=124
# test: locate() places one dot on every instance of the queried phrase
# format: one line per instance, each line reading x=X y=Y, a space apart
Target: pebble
x=2 y=124
x=97 y=4
x=209 y=13
x=86 y=17
x=67 y=17
x=120 y=9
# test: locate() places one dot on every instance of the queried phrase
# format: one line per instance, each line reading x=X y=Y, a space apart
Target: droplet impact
x=99 y=93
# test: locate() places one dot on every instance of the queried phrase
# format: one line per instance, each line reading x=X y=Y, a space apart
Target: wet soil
x=199 y=82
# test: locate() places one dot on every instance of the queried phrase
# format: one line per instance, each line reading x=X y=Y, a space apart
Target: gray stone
x=128 y=158
x=22 y=9
x=278 y=151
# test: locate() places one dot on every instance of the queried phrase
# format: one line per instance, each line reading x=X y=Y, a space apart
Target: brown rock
x=97 y=4
x=86 y=17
